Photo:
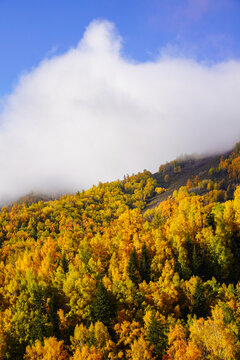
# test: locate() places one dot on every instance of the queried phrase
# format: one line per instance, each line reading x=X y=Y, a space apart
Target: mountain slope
x=196 y=174
x=143 y=268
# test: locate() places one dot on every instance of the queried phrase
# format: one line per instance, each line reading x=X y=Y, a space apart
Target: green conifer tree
x=199 y=299
x=132 y=270
x=189 y=246
x=53 y=316
x=101 y=309
x=156 y=336
x=195 y=261
x=145 y=264
x=183 y=268
x=64 y=263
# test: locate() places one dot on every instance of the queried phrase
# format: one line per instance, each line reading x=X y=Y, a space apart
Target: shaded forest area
x=143 y=268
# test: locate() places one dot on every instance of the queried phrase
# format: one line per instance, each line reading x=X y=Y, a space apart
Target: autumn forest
x=143 y=268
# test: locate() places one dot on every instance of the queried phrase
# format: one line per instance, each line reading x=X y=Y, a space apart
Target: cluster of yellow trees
x=92 y=276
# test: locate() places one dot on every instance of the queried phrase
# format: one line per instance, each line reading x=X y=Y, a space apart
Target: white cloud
x=91 y=115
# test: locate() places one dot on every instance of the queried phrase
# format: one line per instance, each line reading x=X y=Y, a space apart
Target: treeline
x=94 y=276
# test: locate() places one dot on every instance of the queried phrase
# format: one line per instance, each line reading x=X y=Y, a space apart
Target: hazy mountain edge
x=170 y=176
x=98 y=274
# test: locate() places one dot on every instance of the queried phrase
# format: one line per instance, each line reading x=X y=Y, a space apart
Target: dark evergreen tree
x=145 y=264
x=195 y=261
x=211 y=221
x=199 y=299
x=189 y=246
x=156 y=336
x=64 y=263
x=193 y=257
x=101 y=309
x=30 y=320
x=132 y=269
x=39 y=321
x=53 y=316
x=183 y=268
x=235 y=249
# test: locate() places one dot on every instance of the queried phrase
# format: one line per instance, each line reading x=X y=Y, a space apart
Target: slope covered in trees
x=105 y=274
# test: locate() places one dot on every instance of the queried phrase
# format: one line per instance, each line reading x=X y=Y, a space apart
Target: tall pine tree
x=132 y=270
x=145 y=264
x=101 y=309
x=199 y=299
x=156 y=336
x=64 y=263
x=195 y=261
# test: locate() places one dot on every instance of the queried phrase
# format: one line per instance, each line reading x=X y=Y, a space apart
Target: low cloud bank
x=92 y=115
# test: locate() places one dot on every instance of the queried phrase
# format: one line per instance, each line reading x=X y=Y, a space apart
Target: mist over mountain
x=93 y=115
x=125 y=268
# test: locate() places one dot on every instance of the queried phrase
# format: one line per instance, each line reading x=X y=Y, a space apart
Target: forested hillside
x=143 y=268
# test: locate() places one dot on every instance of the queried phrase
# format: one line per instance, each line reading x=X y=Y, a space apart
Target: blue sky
x=93 y=90
x=31 y=30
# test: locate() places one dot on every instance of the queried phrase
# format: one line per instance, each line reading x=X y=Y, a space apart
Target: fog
x=92 y=115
